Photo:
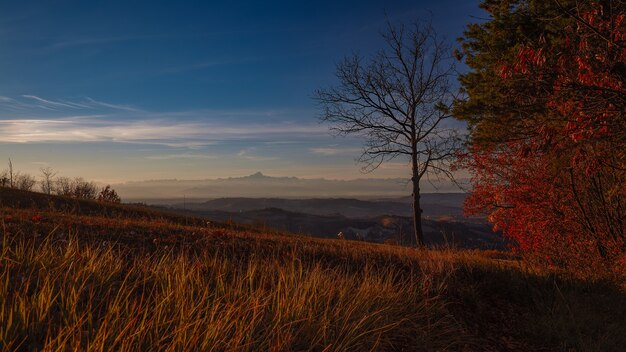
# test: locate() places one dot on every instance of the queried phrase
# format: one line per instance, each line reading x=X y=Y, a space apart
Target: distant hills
x=434 y=206
x=375 y=220
x=373 y=229
x=259 y=185
x=373 y=209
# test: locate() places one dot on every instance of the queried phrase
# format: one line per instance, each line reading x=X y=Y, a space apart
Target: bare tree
x=84 y=189
x=398 y=101
x=64 y=187
x=4 y=178
x=47 y=182
x=24 y=182
x=10 y=173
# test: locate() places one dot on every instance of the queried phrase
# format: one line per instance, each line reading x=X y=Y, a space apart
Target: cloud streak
x=95 y=103
x=247 y=154
x=34 y=104
x=33 y=119
x=181 y=156
x=160 y=131
x=330 y=151
x=49 y=103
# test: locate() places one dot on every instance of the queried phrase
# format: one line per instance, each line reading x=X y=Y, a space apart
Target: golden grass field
x=83 y=276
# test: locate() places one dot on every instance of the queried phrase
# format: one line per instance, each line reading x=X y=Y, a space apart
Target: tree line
x=50 y=183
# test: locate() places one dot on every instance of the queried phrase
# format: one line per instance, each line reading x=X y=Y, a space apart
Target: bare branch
x=396 y=100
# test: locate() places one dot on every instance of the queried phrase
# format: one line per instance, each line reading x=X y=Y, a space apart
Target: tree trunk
x=417 y=213
x=415 y=179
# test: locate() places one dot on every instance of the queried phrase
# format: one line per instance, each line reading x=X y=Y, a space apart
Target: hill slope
x=386 y=220
x=435 y=205
x=94 y=277
x=380 y=229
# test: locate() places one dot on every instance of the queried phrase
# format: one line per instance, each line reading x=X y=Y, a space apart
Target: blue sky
x=132 y=90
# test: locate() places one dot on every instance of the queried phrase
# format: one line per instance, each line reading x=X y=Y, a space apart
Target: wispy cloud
x=164 y=132
x=12 y=104
x=95 y=103
x=329 y=151
x=248 y=155
x=192 y=145
x=280 y=142
x=33 y=119
x=181 y=156
x=32 y=104
x=49 y=103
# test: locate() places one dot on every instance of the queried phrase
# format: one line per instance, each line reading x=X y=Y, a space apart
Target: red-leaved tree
x=559 y=188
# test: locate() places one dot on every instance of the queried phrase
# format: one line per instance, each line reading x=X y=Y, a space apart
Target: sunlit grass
x=146 y=281
x=61 y=295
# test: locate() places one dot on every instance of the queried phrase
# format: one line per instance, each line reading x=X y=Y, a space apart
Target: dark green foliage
x=491 y=101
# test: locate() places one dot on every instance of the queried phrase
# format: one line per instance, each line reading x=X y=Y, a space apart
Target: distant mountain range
x=259 y=185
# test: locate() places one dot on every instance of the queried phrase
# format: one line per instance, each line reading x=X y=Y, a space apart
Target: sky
x=115 y=91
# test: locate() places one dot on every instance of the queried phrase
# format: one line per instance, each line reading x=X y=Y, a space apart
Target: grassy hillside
x=84 y=276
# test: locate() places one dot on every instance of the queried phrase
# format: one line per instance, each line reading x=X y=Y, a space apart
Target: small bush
x=108 y=195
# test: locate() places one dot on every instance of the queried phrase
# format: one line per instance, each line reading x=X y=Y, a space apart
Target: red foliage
x=37 y=218
x=537 y=204
x=559 y=190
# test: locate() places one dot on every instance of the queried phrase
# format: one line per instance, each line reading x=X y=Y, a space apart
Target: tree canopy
x=547 y=114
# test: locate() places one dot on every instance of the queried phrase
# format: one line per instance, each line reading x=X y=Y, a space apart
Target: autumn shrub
x=553 y=213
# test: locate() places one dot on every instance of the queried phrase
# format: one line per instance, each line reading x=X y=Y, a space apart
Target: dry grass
x=98 y=283
x=63 y=295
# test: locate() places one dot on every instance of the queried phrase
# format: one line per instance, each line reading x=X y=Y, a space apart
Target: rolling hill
x=80 y=275
x=376 y=220
x=434 y=205
x=384 y=228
